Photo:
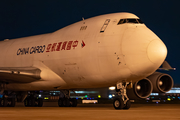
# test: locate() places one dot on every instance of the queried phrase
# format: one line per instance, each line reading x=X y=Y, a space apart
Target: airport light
x=147 y=98
x=169 y=99
x=112 y=88
x=46 y=98
x=154 y=94
x=110 y=96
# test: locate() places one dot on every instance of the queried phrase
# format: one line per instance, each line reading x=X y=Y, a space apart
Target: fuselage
x=96 y=52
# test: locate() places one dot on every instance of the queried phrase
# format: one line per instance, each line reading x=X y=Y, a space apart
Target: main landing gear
x=32 y=101
x=65 y=100
x=7 y=100
x=121 y=101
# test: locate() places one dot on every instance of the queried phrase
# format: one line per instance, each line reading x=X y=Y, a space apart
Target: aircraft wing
x=166 y=66
x=19 y=74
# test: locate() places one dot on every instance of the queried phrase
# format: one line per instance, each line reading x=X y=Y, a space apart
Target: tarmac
x=51 y=111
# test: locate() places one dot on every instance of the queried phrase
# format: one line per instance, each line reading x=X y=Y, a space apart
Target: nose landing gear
x=122 y=101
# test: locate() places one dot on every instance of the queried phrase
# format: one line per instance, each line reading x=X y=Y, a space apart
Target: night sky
x=21 y=18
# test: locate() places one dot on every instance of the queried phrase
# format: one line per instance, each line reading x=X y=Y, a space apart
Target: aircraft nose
x=156 y=51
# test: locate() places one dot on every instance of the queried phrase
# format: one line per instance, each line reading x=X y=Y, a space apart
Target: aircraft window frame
x=130 y=20
x=121 y=21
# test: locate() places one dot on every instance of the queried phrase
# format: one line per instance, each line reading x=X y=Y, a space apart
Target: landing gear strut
x=65 y=100
x=121 y=101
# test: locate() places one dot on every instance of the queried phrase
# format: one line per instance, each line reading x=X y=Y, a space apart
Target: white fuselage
x=80 y=56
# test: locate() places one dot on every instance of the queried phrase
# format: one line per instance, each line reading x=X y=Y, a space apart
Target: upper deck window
x=130 y=20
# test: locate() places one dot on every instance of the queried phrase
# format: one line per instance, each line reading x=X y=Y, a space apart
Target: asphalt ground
x=50 y=111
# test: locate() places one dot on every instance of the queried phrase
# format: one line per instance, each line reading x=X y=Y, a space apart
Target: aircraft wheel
x=118 y=103
x=40 y=102
x=0 y=102
x=5 y=102
x=13 y=102
x=26 y=102
x=73 y=102
x=29 y=102
x=66 y=102
x=60 y=102
x=128 y=105
x=32 y=102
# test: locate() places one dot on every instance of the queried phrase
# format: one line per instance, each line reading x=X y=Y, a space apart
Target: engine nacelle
x=161 y=82
x=141 y=89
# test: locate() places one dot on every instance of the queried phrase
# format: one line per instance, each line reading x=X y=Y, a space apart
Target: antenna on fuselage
x=83 y=20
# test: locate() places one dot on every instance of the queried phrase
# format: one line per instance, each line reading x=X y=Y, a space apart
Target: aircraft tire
x=13 y=102
x=32 y=102
x=5 y=102
x=29 y=102
x=128 y=105
x=26 y=102
x=0 y=102
x=60 y=102
x=66 y=102
x=73 y=102
x=118 y=103
x=40 y=102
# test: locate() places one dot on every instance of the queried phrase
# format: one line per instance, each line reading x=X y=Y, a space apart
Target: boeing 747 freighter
x=107 y=50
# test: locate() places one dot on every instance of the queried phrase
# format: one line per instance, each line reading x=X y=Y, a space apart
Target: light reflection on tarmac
x=50 y=111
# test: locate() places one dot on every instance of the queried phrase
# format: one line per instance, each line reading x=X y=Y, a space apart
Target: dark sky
x=20 y=18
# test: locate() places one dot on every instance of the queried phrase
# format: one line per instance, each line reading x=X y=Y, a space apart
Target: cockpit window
x=122 y=21
x=130 y=20
x=140 y=21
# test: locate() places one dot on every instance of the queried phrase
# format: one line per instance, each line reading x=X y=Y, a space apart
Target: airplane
x=102 y=51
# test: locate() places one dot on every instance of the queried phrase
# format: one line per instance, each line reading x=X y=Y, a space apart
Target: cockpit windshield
x=130 y=20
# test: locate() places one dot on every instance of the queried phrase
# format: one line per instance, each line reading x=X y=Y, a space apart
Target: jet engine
x=161 y=82
x=141 y=89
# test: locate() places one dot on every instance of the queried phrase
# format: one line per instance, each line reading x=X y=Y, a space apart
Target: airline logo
x=60 y=46
x=31 y=50
x=67 y=45
x=82 y=44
